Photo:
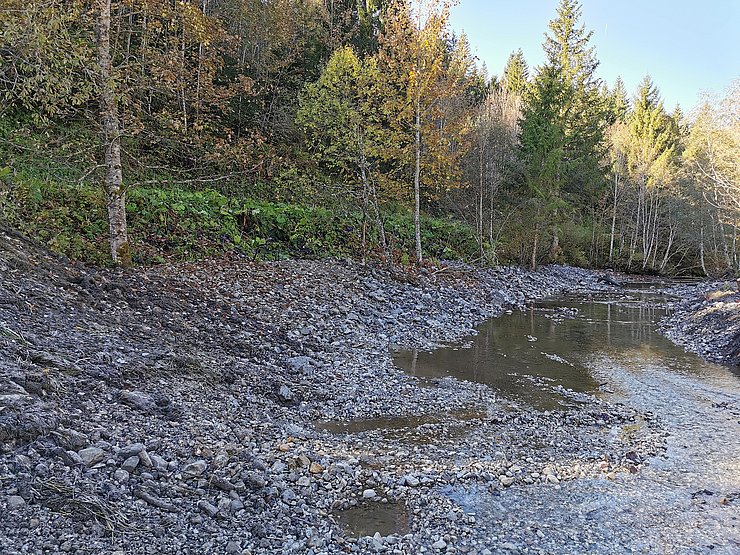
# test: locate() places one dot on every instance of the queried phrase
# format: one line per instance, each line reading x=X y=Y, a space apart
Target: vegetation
x=304 y=127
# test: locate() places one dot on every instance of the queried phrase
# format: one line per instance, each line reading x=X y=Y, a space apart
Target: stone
x=232 y=548
x=138 y=400
x=369 y=494
x=16 y=502
x=411 y=481
x=130 y=464
x=159 y=463
x=195 y=469
x=70 y=439
x=131 y=450
x=552 y=479
x=207 y=507
x=285 y=393
x=91 y=455
x=145 y=459
x=74 y=458
x=506 y=481
x=289 y=495
x=315 y=468
x=439 y=545
x=300 y=364
x=121 y=476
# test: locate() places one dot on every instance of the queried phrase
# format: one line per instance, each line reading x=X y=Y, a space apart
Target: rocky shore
x=192 y=408
x=707 y=322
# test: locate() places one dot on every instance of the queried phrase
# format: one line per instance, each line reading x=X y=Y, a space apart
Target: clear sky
x=686 y=46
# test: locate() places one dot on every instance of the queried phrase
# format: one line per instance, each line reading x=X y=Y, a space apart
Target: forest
x=140 y=131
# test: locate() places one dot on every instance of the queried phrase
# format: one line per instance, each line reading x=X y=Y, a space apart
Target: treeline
x=370 y=107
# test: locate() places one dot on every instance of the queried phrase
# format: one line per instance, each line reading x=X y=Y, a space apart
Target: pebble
x=506 y=481
x=15 y=502
x=91 y=455
x=439 y=545
x=195 y=469
x=130 y=464
x=131 y=450
x=411 y=481
x=207 y=507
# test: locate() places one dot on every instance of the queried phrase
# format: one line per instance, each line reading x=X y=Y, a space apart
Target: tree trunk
x=614 y=217
x=111 y=137
x=417 y=175
x=533 y=262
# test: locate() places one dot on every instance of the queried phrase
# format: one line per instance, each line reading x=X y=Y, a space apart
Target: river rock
x=130 y=464
x=439 y=545
x=194 y=469
x=411 y=481
x=91 y=455
x=15 y=502
x=131 y=450
x=207 y=507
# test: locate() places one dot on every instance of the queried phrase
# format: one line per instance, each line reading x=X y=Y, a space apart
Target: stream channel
x=684 y=501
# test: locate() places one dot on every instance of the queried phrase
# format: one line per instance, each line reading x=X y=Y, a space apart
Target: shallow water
x=552 y=343
x=371 y=518
x=609 y=345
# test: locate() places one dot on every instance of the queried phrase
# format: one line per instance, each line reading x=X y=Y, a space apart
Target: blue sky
x=686 y=46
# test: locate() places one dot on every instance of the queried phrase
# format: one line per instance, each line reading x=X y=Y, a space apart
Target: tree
x=340 y=114
x=617 y=102
x=516 y=74
x=563 y=123
x=712 y=158
x=111 y=138
x=425 y=83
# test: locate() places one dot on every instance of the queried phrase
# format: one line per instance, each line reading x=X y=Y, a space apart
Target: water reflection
x=550 y=343
x=366 y=520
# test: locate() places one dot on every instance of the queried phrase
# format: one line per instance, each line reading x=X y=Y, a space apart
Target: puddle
x=524 y=355
x=383 y=518
x=414 y=429
x=360 y=425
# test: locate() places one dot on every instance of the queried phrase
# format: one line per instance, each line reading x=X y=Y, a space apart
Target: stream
x=684 y=500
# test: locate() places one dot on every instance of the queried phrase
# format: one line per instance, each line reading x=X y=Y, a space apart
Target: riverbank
x=707 y=322
x=188 y=408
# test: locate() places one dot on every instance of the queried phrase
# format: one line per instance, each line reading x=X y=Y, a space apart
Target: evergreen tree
x=516 y=74
x=563 y=120
x=618 y=102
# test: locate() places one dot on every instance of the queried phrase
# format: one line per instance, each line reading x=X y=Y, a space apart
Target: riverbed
x=682 y=499
x=231 y=407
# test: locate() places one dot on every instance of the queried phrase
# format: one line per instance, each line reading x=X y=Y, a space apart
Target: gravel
x=707 y=321
x=192 y=394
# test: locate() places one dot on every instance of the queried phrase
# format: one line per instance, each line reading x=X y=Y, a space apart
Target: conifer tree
x=516 y=73
x=563 y=121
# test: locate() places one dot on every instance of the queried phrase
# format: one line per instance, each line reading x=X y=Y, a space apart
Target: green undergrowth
x=170 y=224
